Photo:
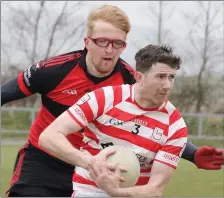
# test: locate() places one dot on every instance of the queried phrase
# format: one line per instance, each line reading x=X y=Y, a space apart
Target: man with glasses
x=61 y=81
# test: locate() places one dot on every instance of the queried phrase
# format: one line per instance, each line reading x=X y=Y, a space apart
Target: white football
x=127 y=158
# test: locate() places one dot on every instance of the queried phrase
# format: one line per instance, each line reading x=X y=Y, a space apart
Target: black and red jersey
x=61 y=81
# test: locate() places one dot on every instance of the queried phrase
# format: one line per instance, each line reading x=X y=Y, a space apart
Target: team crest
x=157 y=133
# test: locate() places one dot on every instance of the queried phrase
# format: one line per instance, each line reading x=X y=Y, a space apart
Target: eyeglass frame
x=110 y=42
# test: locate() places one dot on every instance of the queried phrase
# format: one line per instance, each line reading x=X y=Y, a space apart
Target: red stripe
x=142 y=181
x=56 y=63
x=87 y=110
x=100 y=98
x=146 y=170
x=118 y=95
x=166 y=163
x=175 y=150
x=18 y=169
x=127 y=136
x=174 y=116
x=22 y=86
x=75 y=139
x=74 y=118
x=179 y=134
x=59 y=60
x=79 y=179
x=90 y=149
x=120 y=115
x=164 y=110
x=91 y=135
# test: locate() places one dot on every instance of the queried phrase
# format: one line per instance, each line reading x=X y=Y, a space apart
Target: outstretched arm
x=204 y=157
x=189 y=151
x=11 y=91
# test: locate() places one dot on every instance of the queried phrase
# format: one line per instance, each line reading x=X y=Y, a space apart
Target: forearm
x=189 y=151
x=139 y=191
x=10 y=91
x=62 y=149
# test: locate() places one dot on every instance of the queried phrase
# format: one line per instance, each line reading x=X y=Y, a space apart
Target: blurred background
x=33 y=31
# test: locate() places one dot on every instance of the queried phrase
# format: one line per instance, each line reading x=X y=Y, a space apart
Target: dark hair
x=152 y=54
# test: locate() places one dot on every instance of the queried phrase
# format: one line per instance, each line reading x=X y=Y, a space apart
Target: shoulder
x=129 y=74
x=59 y=60
x=173 y=112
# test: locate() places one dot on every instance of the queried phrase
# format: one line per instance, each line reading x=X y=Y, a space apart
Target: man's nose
x=109 y=48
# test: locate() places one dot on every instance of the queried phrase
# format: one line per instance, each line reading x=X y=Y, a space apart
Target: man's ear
x=86 y=41
x=138 y=76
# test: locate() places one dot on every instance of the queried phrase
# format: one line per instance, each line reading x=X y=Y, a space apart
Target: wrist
x=86 y=161
x=117 y=192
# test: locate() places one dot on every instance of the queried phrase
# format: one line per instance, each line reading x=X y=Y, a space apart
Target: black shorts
x=38 y=174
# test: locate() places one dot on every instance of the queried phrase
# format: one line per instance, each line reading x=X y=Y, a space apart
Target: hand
x=209 y=158
x=106 y=179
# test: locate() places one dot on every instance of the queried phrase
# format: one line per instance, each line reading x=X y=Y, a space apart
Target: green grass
x=8 y=156
x=187 y=179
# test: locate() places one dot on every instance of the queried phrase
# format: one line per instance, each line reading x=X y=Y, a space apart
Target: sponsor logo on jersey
x=80 y=114
x=70 y=91
x=114 y=121
x=140 y=122
x=27 y=76
x=171 y=158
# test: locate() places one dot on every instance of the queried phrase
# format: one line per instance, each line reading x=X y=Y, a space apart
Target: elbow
x=44 y=140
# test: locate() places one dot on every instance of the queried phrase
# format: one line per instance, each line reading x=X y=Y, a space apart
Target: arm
x=204 y=157
x=25 y=84
x=11 y=91
x=54 y=140
x=166 y=160
x=189 y=151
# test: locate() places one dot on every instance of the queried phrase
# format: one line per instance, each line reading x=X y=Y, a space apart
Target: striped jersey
x=111 y=116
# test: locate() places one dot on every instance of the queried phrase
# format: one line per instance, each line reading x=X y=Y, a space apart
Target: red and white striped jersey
x=111 y=116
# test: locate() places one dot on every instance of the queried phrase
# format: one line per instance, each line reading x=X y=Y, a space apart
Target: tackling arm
x=189 y=151
x=11 y=91
x=204 y=157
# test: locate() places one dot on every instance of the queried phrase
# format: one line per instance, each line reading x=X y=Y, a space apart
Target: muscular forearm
x=139 y=191
x=189 y=151
x=62 y=149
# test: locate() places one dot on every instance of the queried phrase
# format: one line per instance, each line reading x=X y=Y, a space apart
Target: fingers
x=112 y=167
x=117 y=172
x=219 y=152
x=219 y=162
x=105 y=153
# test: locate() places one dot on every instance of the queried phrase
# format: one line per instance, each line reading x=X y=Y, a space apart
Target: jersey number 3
x=136 y=129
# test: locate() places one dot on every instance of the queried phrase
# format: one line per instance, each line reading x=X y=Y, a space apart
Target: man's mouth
x=163 y=94
x=107 y=59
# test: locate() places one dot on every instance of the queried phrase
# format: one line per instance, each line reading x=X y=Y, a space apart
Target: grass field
x=187 y=180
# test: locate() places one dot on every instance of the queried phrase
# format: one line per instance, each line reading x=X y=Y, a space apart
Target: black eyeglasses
x=104 y=42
